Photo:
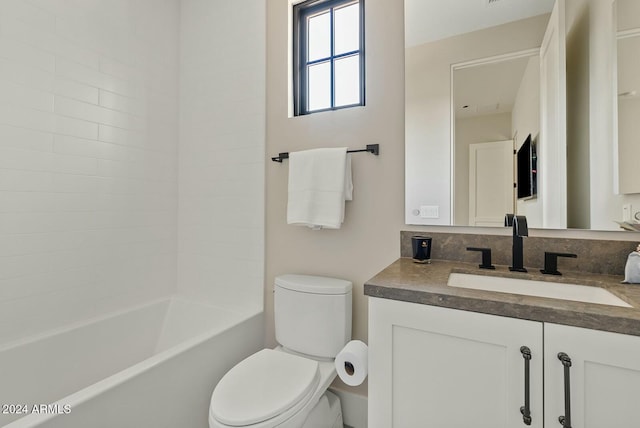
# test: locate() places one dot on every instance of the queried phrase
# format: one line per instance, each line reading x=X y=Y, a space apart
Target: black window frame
x=301 y=12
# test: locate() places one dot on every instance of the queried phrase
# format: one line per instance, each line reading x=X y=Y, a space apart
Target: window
x=328 y=55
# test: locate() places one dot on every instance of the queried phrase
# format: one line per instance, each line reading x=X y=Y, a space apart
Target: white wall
x=428 y=106
x=369 y=239
x=88 y=137
x=222 y=153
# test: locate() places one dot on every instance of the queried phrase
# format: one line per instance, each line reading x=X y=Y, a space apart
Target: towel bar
x=371 y=148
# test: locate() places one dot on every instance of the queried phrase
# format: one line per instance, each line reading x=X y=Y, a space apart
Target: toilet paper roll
x=351 y=363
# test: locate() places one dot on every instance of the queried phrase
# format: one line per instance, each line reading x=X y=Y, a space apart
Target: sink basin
x=553 y=290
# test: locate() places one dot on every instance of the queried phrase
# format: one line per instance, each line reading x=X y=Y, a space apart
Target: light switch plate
x=429 y=211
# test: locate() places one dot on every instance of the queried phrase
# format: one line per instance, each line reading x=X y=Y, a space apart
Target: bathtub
x=151 y=366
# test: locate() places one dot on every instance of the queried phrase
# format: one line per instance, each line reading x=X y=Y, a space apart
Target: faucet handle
x=508 y=220
x=486 y=257
x=551 y=262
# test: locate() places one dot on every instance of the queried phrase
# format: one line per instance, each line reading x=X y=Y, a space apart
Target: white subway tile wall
x=88 y=158
x=222 y=152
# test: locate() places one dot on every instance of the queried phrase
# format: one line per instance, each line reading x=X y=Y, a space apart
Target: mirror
x=495 y=109
x=628 y=53
x=450 y=46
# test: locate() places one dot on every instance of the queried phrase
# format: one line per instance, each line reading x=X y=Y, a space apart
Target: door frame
x=452 y=116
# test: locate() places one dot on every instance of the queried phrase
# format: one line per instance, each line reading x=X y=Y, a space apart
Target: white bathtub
x=152 y=366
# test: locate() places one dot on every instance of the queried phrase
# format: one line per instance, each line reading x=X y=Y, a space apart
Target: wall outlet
x=429 y=211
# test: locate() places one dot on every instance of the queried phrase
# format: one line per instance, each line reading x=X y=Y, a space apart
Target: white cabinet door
x=604 y=377
x=434 y=367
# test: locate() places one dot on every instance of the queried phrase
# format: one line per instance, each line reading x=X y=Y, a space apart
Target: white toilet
x=287 y=386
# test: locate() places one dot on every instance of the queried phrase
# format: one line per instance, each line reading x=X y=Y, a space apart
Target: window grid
x=301 y=49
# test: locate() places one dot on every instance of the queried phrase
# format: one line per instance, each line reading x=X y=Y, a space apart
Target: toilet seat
x=268 y=384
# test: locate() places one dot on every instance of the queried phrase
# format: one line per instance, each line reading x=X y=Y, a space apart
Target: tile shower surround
x=594 y=256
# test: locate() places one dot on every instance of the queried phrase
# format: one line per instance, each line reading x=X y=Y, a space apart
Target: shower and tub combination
x=132 y=165
x=151 y=366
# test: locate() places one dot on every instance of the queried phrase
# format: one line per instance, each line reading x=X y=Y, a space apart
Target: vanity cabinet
x=446 y=368
x=435 y=367
x=604 y=376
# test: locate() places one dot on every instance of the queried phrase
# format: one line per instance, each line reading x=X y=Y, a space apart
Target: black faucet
x=486 y=257
x=551 y=262
x=520 y=229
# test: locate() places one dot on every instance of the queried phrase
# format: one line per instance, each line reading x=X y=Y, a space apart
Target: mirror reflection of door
x=495 y=101
x=491 y=193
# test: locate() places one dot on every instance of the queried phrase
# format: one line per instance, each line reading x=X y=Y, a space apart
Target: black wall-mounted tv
x=527 y=163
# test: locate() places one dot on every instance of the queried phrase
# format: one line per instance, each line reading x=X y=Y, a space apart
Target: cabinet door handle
x=565 y=420
x=526 y=409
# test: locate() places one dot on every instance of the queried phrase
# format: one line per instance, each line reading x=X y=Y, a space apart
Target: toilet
x=286 y=387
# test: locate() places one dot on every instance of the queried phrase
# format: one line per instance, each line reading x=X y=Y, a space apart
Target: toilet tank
x=312 y=314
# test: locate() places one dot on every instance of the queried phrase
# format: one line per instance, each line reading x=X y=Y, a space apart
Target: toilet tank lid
x=314 y=284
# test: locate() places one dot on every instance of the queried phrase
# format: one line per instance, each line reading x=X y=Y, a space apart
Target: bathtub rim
x=95 y=389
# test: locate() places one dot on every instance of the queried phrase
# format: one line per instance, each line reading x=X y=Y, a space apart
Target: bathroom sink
x=553 y=290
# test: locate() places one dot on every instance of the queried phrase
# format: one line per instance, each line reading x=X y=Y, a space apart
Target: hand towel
x=348 y=180
x=317 y=187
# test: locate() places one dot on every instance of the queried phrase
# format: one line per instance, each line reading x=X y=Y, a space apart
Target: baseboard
x=354 y=408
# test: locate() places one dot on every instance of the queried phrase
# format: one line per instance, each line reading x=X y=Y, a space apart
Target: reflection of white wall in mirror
x=629 y=114
x=472 y=130
x=578 y=165
x=629 y=146
x=628 y=61
x=591 y=107
x=606 y=207
x=525 y=120
x=552 y=146
x=628 y=14
x=628 y=54
x=428 y=107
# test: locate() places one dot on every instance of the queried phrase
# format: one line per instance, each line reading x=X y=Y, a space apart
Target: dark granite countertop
x=427 y=284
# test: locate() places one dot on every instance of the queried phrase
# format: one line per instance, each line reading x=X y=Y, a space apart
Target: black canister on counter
x=421 y=249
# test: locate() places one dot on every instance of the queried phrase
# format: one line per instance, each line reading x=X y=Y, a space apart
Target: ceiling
x=430 y=20
x=488 y=89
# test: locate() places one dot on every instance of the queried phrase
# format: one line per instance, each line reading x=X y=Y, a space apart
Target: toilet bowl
x=286 y=387
x=274 y=388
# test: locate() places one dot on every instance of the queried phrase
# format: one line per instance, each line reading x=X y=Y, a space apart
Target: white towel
x=348 y=180
x=318 y=187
